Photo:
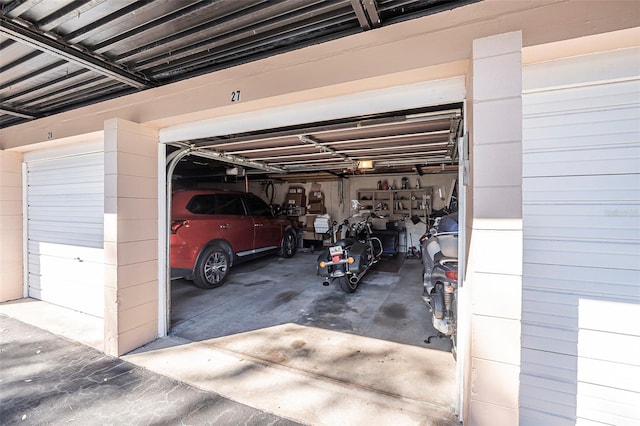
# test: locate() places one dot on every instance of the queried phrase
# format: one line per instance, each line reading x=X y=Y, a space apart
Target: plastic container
x=322 y=224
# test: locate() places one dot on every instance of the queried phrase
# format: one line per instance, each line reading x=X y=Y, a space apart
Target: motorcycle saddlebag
x=359 y=253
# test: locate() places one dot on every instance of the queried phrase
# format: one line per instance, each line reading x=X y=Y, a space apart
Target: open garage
x=276 y=309
x=522 y=114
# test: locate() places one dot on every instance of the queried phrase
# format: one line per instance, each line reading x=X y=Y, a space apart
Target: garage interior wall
x=130 y=236
x=494 y=266
x=11 y=272
x=333 y=193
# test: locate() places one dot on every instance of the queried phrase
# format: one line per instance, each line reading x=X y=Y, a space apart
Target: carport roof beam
x=17 y=112
x=63 y=50
x=361 y=15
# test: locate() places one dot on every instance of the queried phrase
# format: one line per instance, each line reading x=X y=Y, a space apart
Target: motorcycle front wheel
x=346 y=285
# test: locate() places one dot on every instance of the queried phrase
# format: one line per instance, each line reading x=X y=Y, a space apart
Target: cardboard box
x=309 y=235
x=316 y=207
x=296 y=199
x=316 y=196
x=308 y=225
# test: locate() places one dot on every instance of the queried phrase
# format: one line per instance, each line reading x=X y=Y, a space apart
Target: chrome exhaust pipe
x=354 y=279
x=325 y=283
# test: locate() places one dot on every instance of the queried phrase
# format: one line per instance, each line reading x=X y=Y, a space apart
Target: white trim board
x=428 y=93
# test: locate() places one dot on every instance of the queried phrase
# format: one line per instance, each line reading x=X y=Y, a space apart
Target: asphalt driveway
x=49 y=380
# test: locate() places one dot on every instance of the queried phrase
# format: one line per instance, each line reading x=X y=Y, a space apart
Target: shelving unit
x=397 y=202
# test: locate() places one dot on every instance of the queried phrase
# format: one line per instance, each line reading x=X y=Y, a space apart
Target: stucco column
x=11 y=281
x=494 y=273
x=130 y=236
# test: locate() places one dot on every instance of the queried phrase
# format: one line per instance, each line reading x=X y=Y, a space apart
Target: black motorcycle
x=350 y=258
x=440 y=279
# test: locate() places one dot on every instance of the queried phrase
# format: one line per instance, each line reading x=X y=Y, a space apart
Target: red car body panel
x=245 y=234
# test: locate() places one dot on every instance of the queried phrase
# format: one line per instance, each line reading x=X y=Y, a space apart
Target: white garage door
x=65 y=230
x=581 y=220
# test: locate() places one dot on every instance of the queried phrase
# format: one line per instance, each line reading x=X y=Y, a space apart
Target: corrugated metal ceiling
x=57 y=55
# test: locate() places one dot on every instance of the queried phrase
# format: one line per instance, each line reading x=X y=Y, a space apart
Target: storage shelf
x=404 y=202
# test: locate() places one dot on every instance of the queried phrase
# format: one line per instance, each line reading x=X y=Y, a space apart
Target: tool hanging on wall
x=269 y=191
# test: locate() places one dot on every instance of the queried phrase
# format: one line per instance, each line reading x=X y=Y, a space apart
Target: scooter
x=440 y=279
x=346 y=262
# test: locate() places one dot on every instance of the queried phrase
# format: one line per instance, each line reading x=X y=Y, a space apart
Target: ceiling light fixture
x=365 y=164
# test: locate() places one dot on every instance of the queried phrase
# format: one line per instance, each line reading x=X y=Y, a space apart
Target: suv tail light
x=177 y=224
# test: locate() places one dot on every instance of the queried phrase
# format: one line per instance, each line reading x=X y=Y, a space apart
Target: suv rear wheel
x=288 y=245
x=212 y=268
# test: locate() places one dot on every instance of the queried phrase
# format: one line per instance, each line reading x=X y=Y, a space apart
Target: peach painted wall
x=494 y=267
x=11 y=273
x=130 y=236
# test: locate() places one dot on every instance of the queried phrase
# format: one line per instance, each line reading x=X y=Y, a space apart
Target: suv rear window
x=257 y=207
x=227 y=204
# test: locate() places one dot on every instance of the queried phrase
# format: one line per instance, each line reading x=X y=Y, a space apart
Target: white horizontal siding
x=604 y=189
x=614 y=374
x=550 y=365
x=620 y=408
x=604 y=221
x=581 y=250
x=597 y=283
x=534 y=417
x=65 y=227
x=542 y=337
x=547 y=397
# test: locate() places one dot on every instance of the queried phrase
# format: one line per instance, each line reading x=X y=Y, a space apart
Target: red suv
x=211 y=230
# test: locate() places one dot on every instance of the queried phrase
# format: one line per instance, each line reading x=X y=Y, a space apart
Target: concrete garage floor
x=274 y=338
x=273 y=291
